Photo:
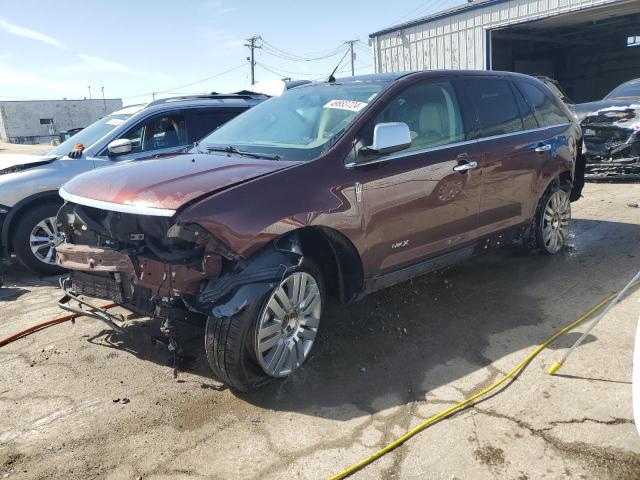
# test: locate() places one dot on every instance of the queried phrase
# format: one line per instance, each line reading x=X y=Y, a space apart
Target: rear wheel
x=36 y=237
x=271 y=338
x=551 y=221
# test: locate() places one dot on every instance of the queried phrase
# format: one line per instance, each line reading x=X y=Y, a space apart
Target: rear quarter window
x=544 y=104
x=495 y=105
x=526 y=111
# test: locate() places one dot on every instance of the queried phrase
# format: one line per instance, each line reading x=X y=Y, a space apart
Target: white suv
x=29 y=184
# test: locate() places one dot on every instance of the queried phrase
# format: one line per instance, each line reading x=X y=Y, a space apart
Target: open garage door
x=588 y=51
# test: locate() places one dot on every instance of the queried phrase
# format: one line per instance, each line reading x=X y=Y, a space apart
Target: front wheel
x=551 y=221
x=272 y=337
x=35 y=239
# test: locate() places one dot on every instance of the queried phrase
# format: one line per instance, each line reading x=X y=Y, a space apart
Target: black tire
x=21 y=235
x=230 y=342
x=539 y=223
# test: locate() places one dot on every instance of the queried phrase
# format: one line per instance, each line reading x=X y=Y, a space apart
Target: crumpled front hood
x=581 y=110
x=163 y=185
x=627 y=117
x=23 y=160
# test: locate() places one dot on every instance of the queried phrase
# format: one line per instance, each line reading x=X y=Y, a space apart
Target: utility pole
x=89 y=87
x=252 y=59
x=353 y=55
x=104 y=102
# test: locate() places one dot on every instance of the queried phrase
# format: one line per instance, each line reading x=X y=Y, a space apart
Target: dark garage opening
x=589 y=52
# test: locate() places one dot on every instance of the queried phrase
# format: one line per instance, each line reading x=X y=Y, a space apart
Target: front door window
x=432 y=113
x=158 y=133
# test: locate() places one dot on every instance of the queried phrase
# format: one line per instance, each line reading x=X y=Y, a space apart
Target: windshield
x=631 y=89
x=91 y=134
x=299 y=125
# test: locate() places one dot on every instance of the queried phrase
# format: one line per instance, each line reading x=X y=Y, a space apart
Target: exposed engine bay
x=161 y=269
x=146 y=251
x=612 y=143
x=177 y=274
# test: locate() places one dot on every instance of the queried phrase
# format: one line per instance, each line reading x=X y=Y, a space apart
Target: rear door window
x=205 y=120
x=431 y=111
x=545 y=105
x=496 y=106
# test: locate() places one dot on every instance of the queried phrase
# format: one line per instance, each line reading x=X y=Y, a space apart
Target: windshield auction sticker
x=350 y=105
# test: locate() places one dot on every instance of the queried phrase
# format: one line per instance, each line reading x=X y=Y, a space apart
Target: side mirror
x=390 y=137
x=119 y=147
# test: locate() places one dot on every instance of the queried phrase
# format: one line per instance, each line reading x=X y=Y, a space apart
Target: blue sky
x=56 y=49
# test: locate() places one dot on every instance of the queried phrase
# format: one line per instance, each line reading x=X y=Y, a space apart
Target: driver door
x=416 y=204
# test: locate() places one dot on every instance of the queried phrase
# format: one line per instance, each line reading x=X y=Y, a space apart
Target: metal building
x=589 y=46
x=42 y=121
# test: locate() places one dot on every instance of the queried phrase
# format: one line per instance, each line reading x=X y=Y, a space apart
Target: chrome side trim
x=523 y=131
x=449 y=145
x=409 y=153
x=116 y=207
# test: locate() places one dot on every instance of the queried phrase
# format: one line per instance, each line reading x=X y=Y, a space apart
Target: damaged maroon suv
x=338 y=188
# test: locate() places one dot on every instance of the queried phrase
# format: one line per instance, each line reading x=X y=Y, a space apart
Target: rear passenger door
x=508 y=137
x=556 y=137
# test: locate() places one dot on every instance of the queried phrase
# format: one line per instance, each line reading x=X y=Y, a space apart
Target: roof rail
x=212 y=96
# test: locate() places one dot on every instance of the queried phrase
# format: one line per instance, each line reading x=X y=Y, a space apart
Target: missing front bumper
x=614 y=169
x=102 y=271
x=72 y=302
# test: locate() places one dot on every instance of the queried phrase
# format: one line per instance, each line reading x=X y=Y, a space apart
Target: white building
x=40 y=121
x=589 y=46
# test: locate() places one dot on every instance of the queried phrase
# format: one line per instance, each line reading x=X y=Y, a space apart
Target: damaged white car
x=612 y=143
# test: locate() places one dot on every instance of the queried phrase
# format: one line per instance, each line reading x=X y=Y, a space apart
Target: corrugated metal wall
x=459 y=41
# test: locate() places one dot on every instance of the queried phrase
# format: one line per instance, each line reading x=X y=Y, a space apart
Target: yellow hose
x=448 y=411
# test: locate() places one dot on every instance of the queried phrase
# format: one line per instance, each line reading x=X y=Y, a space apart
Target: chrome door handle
x=543 y=148
x=466 y=166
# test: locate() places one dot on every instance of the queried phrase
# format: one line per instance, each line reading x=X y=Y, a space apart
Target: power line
x=287 y=73
x=284 y=72
x=186 y=84
x=293 y=56
x=277 y=54
x=436 y=7
x=203 y=80
x=311 y=57
x=408 y=13
x=421 y=8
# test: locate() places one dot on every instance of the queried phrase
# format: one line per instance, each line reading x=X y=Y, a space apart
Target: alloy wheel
x=44 y=239
x=555 y=221
x=288 y=324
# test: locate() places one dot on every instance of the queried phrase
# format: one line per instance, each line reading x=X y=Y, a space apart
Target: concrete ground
x=79 y=402
x=19 y=148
